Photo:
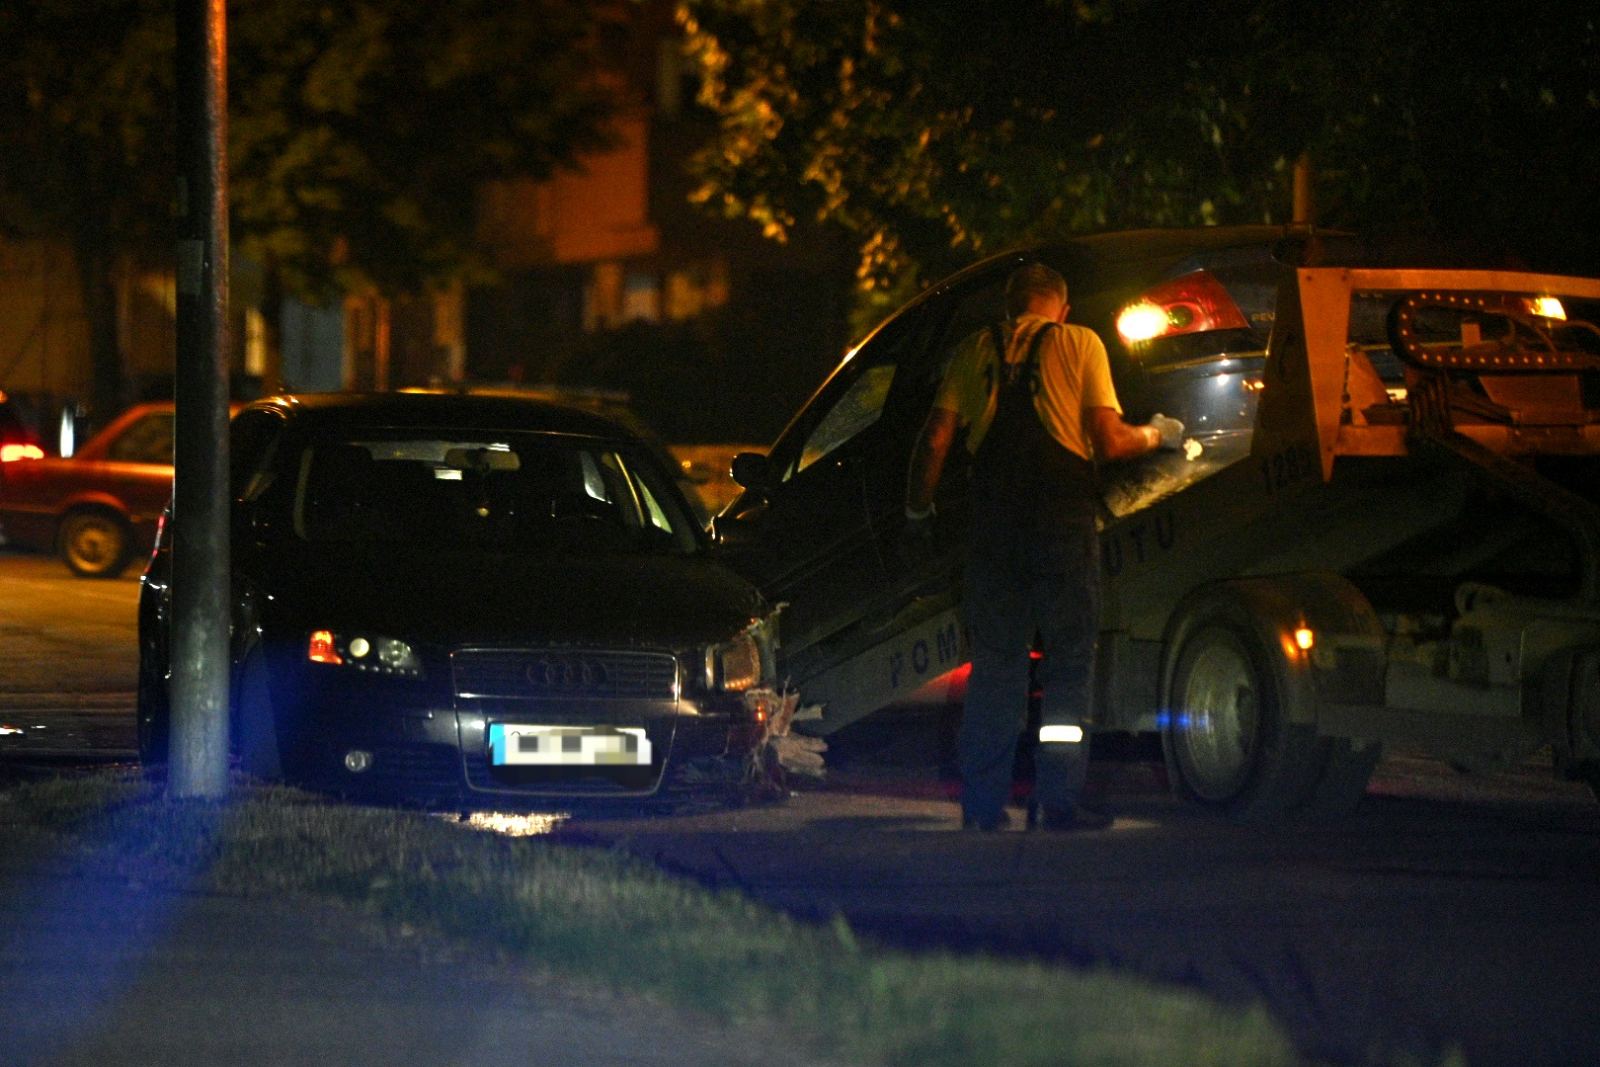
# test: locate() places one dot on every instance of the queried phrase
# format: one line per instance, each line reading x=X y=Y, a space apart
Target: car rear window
x=522 y=492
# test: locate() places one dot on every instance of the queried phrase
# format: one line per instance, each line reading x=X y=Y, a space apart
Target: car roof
x=442 y=411
x=1161 y=243
x=1173 y=244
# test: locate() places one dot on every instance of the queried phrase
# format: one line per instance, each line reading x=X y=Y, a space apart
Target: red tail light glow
x=161 y=536
x=12 y=453
x=321 y=649
x=1194 y=303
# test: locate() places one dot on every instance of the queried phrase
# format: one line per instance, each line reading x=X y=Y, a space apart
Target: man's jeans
x=1018 y=584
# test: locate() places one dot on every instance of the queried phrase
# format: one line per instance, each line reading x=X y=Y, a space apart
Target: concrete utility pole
x=198 y=757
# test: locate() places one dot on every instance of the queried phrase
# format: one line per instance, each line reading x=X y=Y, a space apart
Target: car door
x=806 y=533
x=136 y=467
x=974 y=302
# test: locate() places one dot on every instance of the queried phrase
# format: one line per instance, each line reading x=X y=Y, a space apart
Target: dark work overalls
x=1033 y=569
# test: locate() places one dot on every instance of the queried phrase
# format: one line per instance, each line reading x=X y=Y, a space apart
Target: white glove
x=1171 y=431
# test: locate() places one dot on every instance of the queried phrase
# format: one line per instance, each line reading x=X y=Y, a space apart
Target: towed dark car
x=1185 y=315
x=473 y=602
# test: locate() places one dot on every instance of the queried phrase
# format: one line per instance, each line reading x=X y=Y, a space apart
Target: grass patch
x=608 y=918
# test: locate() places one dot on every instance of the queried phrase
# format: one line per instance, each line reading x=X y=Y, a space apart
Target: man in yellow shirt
x=1035 y=397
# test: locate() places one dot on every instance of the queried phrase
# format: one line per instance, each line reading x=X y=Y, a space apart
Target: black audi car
x=480 y=602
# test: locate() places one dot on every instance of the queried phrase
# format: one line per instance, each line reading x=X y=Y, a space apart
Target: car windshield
x=510 y=491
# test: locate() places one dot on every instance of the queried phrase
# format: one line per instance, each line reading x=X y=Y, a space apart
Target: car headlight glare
x=734 y=666
x=364 y=652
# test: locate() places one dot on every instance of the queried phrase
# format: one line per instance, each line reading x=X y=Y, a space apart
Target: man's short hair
x=1033 y=280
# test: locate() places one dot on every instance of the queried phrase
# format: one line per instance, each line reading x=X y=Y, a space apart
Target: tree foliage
x=360 y=131
x=934 y=129
x=86 y=149
x=84 y=94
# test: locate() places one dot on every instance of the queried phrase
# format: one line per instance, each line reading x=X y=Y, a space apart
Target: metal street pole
x=198 y=757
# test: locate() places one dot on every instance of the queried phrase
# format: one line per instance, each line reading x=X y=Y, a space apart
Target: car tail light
x=321 y=648
x=1194 y=303
x=13 y=452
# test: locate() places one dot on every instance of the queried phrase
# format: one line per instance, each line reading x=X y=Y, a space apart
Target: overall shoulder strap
x=1038 y=341
x=1027 y=371
x=997 y=337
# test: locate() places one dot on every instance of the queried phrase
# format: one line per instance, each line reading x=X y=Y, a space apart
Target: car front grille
x=563 y=674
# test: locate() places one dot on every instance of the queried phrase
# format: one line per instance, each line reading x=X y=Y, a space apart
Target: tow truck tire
x=1232 y=739
x=94 y=543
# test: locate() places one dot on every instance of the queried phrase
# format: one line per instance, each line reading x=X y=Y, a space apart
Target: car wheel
x=255 y=728
x=1230 y=740
x=94 y=544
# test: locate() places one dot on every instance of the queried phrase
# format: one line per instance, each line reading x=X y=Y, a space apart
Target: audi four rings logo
x=565 y=673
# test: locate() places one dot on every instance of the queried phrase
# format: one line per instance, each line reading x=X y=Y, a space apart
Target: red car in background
x=99 y=508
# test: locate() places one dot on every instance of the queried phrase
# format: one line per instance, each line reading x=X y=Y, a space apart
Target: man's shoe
x=1074 y=817
x=986 y=825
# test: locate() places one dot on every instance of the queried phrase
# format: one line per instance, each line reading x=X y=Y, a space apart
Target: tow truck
x=1402 y=547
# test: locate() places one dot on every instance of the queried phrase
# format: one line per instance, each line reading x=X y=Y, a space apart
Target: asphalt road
x=68 y=660
x=1452 y=912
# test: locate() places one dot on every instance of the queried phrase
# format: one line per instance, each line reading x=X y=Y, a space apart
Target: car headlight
x=734 y=666
x=364 y=652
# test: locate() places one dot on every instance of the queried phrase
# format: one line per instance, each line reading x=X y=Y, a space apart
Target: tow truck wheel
x=1218 y=711
x=1230 y=740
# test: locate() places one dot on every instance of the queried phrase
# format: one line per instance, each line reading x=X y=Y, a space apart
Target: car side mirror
x=754 y=472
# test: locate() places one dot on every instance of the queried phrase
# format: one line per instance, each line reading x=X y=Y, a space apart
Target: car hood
x=453 y=598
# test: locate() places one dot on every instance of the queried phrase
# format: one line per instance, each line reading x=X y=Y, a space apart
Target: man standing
x=1036 y=398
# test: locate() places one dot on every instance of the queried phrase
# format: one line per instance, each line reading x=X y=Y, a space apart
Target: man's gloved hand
x=1170 y=429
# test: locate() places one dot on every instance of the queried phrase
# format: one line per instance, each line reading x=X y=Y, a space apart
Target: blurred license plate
x=568 y=746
